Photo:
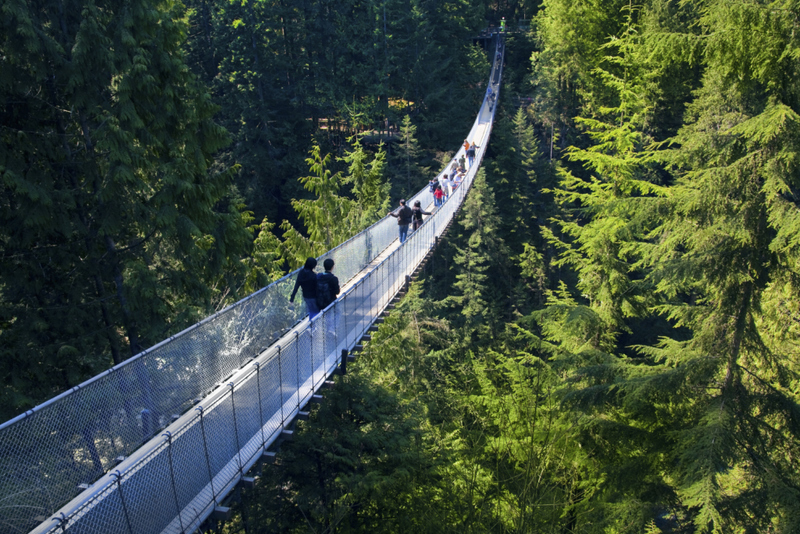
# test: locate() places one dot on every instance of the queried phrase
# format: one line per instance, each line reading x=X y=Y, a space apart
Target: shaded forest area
x=605 y=342
x=152 y=153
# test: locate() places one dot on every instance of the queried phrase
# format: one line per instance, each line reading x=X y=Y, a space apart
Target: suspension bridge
x=156 y=443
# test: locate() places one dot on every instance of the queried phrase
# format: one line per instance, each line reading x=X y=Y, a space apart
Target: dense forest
x=607 y=339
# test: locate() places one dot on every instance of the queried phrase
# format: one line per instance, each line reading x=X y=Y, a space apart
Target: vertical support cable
x=297 y=365
x=311 y=352
x=346 y=321
x=280 y=383
x=118 y=479
x=205 y=450
x=373 y=292
x=168 y=435
x=362 y=306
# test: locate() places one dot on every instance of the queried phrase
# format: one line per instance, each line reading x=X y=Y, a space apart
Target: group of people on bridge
x=441 y=189
x=320 y=289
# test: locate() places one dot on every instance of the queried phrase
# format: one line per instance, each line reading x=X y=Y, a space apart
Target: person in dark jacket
x=323 y=301
x=307 y=280
x=403 y=215
x=330 y=278
x=471 y=154
x=416 y=215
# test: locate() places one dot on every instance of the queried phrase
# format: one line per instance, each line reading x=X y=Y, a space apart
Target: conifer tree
x=478 y=259
x=607 y=225
x=369 y=188
x=265 y=263
x=115 y=225
x=703 y=409
x=331 y=218
x=725 y=253
x=322 y=215
x=570 y=36
x=409 y=155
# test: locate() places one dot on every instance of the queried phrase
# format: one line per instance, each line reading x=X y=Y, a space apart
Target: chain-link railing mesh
x=173 y=483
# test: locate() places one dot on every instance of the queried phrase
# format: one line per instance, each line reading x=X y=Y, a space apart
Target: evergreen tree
x=570 y=36
x=703 y=409
x=369 y=188
x=410 y=173
x=321 y=215
x=608 y=225
x=115 y=225
x=479 y=256
x=726 y=247
x=265 y=263
x=331 y=218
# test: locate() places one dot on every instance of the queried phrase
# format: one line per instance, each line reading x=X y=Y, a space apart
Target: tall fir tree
x=115 y=226
x=334 y=216
x=725 y=253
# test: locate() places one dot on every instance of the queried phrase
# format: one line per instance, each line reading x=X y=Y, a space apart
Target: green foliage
x=370 y=191
x=410 y=174
x=704 y=252
x=570 y=36
x=320 y=215
x=330 y=218
x=476 y=247
x=265 y=264
x=607 y=224
x=116 y=224
x=356 y=466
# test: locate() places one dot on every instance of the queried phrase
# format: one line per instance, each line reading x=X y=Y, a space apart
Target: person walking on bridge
x=471 y=154
x=403 y=216
x=327 y=285
x=307 y=280
x=327 y=291
x=416 y=215
x=438 y=196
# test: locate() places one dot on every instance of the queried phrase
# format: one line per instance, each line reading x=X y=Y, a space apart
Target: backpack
x=324 y=294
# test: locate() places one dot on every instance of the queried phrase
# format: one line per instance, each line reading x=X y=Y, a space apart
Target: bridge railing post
x=281 y=401
x=260 y=404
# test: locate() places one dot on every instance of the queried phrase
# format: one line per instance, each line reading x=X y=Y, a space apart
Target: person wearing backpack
x=403 y=216
x=327 y=285
x=307 y=280
x=471 y=154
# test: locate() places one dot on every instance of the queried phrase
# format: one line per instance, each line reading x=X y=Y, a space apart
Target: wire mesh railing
x=206 y=402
